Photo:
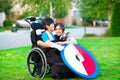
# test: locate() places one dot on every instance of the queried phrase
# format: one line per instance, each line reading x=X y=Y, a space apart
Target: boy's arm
x=46 y=39
x=48 y=43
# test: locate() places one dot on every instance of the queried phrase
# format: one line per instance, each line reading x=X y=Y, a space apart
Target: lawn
x=105 y=50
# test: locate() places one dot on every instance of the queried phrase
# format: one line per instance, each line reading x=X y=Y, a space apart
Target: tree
x=115 y=21
x=5 y=6
x=59 y=7
x=95 y=9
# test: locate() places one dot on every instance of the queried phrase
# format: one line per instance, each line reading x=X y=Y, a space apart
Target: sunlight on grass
x=107 y=53
x=105 y=50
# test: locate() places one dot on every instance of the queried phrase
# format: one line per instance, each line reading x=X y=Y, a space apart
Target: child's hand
x=59 y=47
x=60 y=43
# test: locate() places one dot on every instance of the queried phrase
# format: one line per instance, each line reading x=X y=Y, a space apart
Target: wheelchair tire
x=36 y=63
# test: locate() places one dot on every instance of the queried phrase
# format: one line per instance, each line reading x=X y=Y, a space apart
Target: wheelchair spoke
x=32 y=62
x=34 y=70
x=36 y=63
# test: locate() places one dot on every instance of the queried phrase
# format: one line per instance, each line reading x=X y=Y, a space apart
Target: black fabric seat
x=34 y=38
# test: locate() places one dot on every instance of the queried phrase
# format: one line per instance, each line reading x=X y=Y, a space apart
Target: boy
x=52 y=53
x=48 y=36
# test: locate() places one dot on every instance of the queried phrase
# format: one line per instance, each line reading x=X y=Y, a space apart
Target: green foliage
x=60 y=12
x=74 y=22
x=7 y=23
x=60 y=7
x=117 y=1
x=87 y=22
x=27 y=14
x=115 y=21
x=95 y=9
x=5 y=6
x=107 y=33
x=84 y=23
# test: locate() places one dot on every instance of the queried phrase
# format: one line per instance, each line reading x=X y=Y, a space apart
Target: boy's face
x=51 y=27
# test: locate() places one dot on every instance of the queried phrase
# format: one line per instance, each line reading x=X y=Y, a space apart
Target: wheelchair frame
x=36 y=67
x=39 y=63
x=36 y=60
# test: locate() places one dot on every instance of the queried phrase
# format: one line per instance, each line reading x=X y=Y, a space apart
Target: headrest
x=36 y=26
x=32 y=19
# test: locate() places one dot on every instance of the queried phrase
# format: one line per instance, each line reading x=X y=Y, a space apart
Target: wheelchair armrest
x=39 y=31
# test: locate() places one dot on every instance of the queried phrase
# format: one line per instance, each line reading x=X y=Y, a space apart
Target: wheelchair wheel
x=36 y=63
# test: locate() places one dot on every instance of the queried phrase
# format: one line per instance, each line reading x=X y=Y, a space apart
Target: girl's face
x=58 y=30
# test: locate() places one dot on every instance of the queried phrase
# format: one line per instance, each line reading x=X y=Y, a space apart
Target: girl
x=62 y=37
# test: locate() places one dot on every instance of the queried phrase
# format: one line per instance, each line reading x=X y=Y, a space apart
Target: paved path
x=10 y=39
x=79 y=32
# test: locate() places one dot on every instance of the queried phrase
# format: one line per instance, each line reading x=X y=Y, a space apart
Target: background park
x=104 y=47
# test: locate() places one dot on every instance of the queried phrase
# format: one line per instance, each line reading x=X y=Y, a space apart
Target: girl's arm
x=69 y=40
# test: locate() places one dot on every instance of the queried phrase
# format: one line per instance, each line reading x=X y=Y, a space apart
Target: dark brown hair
x=61 y=25
x=47 y=21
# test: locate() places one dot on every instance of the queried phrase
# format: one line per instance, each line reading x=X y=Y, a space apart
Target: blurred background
x=80 y=13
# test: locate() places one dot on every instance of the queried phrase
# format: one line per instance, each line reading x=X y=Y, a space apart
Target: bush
x=24 y=15
x=106 y=34
x=7 y=23
x=74 y=22
x=115 y=21
x=87 y=22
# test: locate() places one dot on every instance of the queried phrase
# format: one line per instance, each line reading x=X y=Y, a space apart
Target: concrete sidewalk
x=79 y=32
x=10 y=39
x=20 y=38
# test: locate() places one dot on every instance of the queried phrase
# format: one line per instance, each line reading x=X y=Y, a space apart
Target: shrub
x=74 y=22
x=106 y=34
x=115 y=21
x=7 y=23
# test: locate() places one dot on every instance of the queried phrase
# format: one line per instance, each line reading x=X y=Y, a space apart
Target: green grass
x=107 y=53
x=69 y=27
x=5 y=28
x=105 y=50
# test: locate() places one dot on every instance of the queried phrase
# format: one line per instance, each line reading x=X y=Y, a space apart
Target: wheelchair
x=36 y=60
x=40 y=62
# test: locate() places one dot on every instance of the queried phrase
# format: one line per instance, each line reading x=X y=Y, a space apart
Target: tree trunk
x=51 y=10
x=94 y=23
x=109 y=18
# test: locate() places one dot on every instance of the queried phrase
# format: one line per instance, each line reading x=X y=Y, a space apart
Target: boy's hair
x=47 y=21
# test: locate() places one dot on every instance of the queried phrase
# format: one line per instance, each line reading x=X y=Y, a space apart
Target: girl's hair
x=61 y=25
x=47 y=21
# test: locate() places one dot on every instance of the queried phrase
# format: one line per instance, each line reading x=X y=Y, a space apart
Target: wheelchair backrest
x=36 y=25
x=35 y=34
